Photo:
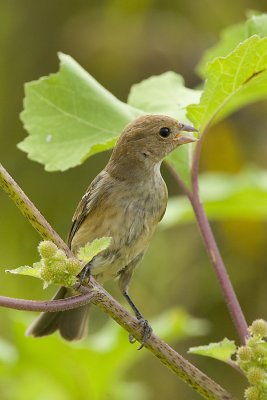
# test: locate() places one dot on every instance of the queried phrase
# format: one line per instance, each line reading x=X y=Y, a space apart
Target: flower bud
x=53 y=271
x=252 y=393
x=259 y=328
x=256 y=375
x=73 y=266
x=244 y=353
x=47 y=249
x=60 y=255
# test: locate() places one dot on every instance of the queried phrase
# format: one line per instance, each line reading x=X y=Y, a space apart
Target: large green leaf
x=70 y=116
x=163 y=94
x=232 y=82
x=241 y=196
x=166 y=94
x=231 y=37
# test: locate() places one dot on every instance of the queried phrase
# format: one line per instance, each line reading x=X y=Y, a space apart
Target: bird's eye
x=164 y=132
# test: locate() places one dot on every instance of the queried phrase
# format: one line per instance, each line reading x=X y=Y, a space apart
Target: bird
x=125 y=201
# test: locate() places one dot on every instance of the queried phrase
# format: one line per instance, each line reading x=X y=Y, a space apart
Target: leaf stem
x=196 y=379
x=220 y=270
x=213 y=250
x=210 y=243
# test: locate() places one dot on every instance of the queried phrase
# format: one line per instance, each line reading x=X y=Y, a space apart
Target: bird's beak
x=181 y=139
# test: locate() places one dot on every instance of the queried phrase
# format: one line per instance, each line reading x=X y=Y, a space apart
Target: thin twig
x=52 y=305
x=200 y=382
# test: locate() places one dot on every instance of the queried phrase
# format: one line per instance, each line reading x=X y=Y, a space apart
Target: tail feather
x=72 y=324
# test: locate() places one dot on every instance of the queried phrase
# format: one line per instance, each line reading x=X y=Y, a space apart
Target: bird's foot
x=84 y=275
x=147 y=330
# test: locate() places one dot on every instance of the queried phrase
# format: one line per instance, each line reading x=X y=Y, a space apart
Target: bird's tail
x=72 y=324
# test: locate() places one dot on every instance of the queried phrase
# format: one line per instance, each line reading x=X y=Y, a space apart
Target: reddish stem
x=220 y=270
x=213 y=250
x=51 y=305
x=211 y=245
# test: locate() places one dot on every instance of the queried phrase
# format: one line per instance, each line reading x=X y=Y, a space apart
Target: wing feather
x=85 y=206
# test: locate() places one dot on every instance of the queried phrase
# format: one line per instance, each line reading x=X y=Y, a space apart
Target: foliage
x=224 y=196
x=233 y=82
x=55 y=267
x=69 y=117
x=221 y=350
x=250 y=358
x=58 y=370
x=231 y=37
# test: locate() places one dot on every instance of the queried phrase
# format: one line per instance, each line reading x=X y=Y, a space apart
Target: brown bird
x=125 y=201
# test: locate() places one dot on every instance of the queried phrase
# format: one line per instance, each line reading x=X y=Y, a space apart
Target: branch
x=200 y=382
x=29 y=210
x=52 y=305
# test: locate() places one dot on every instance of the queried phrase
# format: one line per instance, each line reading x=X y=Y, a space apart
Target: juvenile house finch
x=125 y=201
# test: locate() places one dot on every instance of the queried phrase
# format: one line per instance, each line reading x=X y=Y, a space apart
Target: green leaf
x=232 y=82
x=90 y=250
x=70 y=116
x=225 y=196
x=231 y=37
x=166 y=94
x=221 y=351
x=163 y=94
x=27 y=270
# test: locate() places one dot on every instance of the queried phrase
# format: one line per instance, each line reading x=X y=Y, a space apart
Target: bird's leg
x=125 y=277
x=143 y=322
x=84 y=275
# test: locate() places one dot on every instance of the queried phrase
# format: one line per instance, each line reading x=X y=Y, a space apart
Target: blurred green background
x=120 y=43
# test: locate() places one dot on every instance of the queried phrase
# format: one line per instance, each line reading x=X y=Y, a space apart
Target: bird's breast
x=129 y=214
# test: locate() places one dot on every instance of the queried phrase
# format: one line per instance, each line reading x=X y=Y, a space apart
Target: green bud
x=252 y=342
x=260 y=351
x=252 y=393
x=53 y=271
x=259 y=328
x=46 y=274
x=69 y=280
x=47 y=249
x=73 y=266
x=256 y=375
x=60 y=255
x=244 y=353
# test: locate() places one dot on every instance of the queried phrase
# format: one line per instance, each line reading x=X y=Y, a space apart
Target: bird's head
x=147 y=140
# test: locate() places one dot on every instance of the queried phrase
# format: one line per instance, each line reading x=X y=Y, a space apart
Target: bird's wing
x=85 y=206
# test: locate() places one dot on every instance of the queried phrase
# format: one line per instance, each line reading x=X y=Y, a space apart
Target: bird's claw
x=147 y=330
x=132 y=339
